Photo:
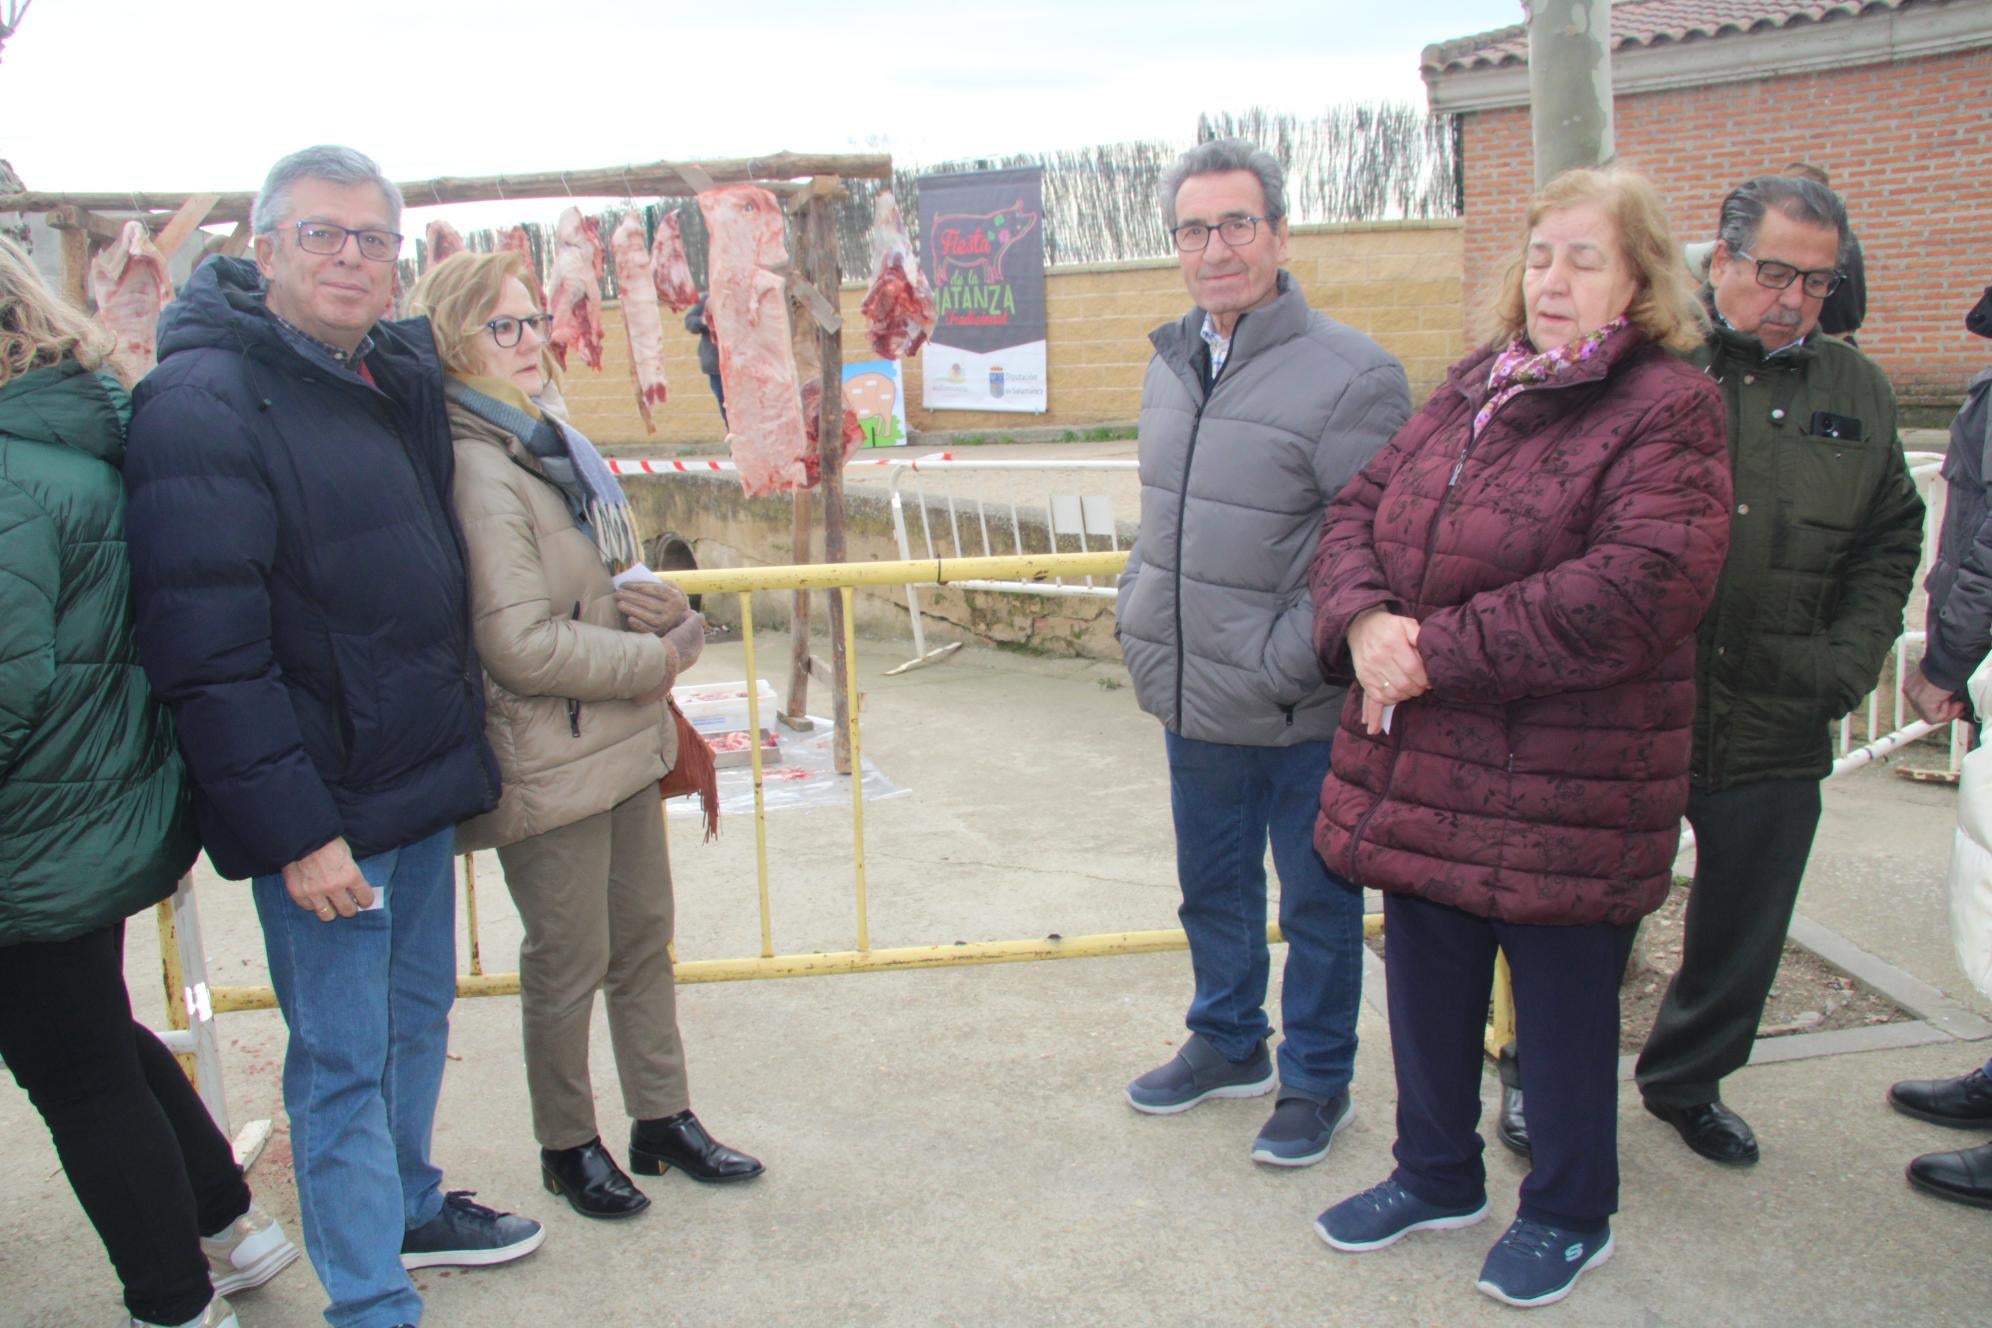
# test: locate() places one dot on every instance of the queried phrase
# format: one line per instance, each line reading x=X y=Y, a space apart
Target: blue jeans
x=1228 y=801
x=367 y=1000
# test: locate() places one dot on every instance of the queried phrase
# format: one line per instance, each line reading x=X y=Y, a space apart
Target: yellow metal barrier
x=844 y=578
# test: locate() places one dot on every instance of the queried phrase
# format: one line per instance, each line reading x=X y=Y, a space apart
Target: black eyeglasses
x=507 y=331
x=323 y=238
x=1773 y=275
x=1193 y=237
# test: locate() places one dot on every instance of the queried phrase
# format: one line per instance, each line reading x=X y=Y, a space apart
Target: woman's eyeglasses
x=507 y=331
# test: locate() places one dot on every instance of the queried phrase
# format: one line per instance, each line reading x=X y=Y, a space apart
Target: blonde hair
x=39 y=328
x=1663 y=304
x=457 y=295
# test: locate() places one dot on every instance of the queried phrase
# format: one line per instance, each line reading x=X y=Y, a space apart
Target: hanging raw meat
x=444 y=242
x=577 y=289
x=668 y=266
x=899 y=309
x=854 y=432
x=640 y=317
x=747 y=308
x=521 y=244
x=129 y=283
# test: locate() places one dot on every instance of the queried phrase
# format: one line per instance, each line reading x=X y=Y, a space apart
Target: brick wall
x=1905 y=143
x=1399 y=282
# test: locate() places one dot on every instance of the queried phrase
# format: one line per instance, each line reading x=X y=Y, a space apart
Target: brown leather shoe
x=1712 y=1130
x=680 y=1141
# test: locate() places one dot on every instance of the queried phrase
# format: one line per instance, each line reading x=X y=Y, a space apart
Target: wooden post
x=76 y=267
x=821 y=269
x=796 y=714
x=808 y=366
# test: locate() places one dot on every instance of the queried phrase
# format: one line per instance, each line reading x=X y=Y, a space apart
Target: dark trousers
x=140 y=1150
x=1440 y=967
x=1750 y=849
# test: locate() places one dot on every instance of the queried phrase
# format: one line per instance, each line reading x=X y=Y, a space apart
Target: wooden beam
x=648 y=179
x=98 y=225
x=237 y=241
x=818 y=245
x=185 y=222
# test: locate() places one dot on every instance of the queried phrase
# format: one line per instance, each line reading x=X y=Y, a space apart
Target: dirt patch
x=1809 y=996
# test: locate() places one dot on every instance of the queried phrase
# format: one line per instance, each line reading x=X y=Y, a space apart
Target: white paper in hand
x=634 y=572
x=1388 y=711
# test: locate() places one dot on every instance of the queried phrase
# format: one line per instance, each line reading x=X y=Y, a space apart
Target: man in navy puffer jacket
x=299 y=588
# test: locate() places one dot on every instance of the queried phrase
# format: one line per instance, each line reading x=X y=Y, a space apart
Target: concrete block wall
x=1398 y=281
x=1905 y=143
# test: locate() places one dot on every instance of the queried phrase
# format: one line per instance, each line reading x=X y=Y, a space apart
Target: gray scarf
x=572 y=464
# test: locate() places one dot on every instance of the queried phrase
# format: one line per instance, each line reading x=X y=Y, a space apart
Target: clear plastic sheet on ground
x=806 y=777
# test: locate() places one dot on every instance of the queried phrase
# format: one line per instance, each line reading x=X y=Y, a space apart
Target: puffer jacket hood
x=1556 y=565
x=299 y=581
x=95 y=818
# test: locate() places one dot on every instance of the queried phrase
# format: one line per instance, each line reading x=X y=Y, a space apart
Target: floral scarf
x=1521 y=366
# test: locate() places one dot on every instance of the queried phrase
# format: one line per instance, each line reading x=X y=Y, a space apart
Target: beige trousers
x=595 y=898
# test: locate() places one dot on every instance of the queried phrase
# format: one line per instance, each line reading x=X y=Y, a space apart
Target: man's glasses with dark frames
x=507 y=331
x=325 y=239
x=1773 y=275
x=1193 y=237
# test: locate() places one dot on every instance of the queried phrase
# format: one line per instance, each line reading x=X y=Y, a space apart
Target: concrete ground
x=952 y=1146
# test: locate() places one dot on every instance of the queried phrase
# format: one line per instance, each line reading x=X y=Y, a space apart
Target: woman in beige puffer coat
x=576 y=672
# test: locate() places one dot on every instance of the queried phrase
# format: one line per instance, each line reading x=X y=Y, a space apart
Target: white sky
x=154 y=94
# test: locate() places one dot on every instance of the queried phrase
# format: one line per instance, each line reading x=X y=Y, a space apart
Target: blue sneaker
x=1536 y=1264
x=1384 y=1214
x=463 y=1234
x=1197 y=1072
x=1301 y=1129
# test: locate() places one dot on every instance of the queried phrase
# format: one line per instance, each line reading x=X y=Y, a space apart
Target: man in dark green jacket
x=1824 y=537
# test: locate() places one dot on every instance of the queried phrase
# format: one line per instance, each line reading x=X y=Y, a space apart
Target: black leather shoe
x=1963 y=1177
x=591 y=1181
x=1713 y=1130
x=1964 y=1102
x=680 y=1141
x=1512 y=1129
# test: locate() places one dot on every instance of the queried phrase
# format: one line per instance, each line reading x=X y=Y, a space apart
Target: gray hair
x=1221 y=155
x=328 y=162
x=1799 y=198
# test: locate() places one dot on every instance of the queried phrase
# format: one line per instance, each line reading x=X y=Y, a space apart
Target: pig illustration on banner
x=966 y=242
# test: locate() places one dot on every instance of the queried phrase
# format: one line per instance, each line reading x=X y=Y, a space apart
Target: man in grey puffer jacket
x=1255 y=411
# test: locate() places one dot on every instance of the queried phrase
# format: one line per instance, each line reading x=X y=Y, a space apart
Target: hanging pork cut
x=854 y=432
x=747 y=307
x=640 y=317
x=520 y=243
x=129 y=283
x=577 y=289
x=899 y=308
x=444 y=241
x=668 y=266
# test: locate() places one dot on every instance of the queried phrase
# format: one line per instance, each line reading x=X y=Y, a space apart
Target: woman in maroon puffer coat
x=1514 y=584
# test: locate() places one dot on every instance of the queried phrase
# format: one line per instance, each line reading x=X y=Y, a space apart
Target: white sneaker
x=218 y=1314
x=247 y=1252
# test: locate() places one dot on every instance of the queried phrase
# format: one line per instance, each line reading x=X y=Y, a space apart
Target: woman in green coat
x=95 y=824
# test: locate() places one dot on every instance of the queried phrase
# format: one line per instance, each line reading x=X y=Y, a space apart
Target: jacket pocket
x=357 y=720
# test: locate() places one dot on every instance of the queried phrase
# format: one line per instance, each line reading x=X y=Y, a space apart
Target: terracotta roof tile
x=1653 y=23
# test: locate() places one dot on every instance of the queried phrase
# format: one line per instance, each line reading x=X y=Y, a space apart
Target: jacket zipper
x=1431 y=543
x=573 y=704
x=1182 y=514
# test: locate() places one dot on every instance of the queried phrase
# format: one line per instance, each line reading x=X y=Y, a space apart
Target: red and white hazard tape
x=622 y=466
